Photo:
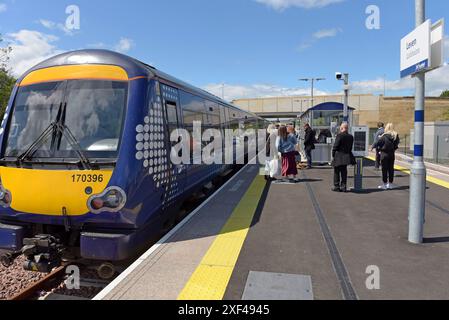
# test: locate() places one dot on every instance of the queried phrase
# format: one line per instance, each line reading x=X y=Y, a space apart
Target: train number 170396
x=87 y=178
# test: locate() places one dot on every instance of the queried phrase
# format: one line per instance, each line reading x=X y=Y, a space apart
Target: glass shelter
x=325 y=120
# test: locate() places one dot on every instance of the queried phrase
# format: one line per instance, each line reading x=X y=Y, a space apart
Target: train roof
x=133 y=67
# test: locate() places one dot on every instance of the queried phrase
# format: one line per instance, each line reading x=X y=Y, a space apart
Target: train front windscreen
x=61 y=120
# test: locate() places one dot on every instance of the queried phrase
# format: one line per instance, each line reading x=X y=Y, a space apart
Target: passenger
x=379 y=133
x=324 y=135
x=309 y=144
x=291 y=131
x=271 y=151
x=286 y=146
x=387 y=145
x=342 y=154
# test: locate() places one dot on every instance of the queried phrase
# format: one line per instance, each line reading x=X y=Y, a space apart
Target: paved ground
x=367 y=229
x=302 y=229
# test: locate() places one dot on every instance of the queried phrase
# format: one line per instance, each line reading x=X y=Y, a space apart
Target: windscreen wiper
x=36 y=144
x=28 y=154
x=54 y=129
x=64 y=130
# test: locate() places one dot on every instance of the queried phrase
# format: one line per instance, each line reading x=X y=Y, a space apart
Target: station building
x=369 y=109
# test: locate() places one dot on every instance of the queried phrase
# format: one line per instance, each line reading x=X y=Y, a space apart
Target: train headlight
x=113 y=199
x=5 y=196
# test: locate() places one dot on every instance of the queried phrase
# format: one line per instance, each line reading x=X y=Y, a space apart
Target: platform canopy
x=329 y=106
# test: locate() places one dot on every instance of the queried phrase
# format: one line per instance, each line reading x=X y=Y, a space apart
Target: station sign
x=423 y=49
x=437 y=45
x=415 y=50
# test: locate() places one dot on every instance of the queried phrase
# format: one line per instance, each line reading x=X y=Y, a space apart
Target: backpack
x=390 y=145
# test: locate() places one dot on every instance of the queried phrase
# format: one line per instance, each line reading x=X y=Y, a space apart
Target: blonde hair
x=389 y=129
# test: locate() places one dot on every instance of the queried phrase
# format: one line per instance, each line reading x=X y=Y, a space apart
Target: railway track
x=42 y=284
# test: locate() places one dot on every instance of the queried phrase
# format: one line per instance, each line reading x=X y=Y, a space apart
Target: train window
x=172 y=116
x=213 y=114
x=36 y=106
x=193 y=109
x=92 y=110
x=95 y=114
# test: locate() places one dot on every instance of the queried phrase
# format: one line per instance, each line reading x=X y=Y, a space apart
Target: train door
x=176 y=173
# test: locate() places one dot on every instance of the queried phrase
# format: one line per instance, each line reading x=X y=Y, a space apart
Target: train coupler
x=43 y=253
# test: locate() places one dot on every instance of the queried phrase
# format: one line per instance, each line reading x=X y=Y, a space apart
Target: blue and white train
x=85 y=166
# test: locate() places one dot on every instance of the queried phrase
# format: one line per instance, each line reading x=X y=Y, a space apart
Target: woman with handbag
x=286 y=144
x=343 y=157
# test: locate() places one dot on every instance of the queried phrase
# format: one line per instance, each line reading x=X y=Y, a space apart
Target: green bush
x=6 y=86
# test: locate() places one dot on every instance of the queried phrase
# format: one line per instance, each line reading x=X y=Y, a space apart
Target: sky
x=251 y=48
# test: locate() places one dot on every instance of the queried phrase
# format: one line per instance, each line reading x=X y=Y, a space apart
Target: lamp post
x=312 y=80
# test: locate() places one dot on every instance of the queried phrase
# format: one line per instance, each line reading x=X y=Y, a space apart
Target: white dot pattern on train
x=150 y=145
x=151 y=149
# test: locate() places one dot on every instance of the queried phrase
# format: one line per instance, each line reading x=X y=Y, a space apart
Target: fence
x=436 y=152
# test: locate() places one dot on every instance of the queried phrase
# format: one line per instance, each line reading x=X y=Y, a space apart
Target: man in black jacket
x=309 y=144
x=379 y=133
x=342 y=154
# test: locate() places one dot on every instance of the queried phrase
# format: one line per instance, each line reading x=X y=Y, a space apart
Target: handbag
x=275 y=168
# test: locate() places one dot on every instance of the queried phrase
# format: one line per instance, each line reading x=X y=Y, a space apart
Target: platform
x=296 y=241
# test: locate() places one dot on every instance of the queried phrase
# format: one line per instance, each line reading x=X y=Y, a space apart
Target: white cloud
x=51 y=25
x=124 y=45
x=232 y=92
x=436 y=82
x=3 y=7
x=319 y=35
x=307 y=4
x=30 y=48
x=326 y=33
x=47 y=23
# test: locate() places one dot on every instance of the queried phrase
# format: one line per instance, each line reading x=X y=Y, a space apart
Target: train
x=85 y=170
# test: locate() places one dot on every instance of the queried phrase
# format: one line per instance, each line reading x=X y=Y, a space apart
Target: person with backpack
x=309 y=144
x=388 y=144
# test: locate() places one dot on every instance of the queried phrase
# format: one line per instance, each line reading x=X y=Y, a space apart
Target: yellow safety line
x=430 y=179
x=211 y=278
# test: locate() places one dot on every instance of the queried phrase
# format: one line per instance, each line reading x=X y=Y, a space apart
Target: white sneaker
x=383 y=187
x=392 y=186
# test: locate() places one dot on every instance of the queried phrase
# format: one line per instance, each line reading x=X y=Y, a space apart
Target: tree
x=445 y=94
x=6 y=80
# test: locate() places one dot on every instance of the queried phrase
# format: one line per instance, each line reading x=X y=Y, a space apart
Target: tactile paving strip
x=211 y=278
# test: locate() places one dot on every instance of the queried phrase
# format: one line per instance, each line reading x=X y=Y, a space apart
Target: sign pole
x=346 y=102
x=418 y=170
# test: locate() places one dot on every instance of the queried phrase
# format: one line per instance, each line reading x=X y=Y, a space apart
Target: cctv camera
x=339 y=75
